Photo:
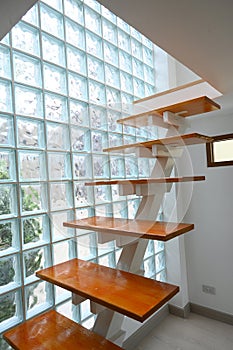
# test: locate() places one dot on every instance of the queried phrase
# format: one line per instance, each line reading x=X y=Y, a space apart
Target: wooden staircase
x=122 y=291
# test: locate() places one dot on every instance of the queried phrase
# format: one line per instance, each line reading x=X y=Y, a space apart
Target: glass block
x=117 y=167
x=32 y=16
x=109 y=32
x=97 y=93
x=149 y=250
x=38 y=297
x=143 y=167
x=57 y=4
x=60 y=196
x=87 y=246
x=82 y=166
x=6 y=96
x=93 y=21
x=101 y=166
x=148 y=56
x=132 y=206
x=149 y=90
x=77 y=86
x=35 y=230
x=124 y=41
x=30 y=133
x=59 y=166
x=57 y=136
x=136 y=34
x=125 y=61
x=6 y=131
x=108 y=14
x=63 y=251
x=115 y=140
x=112 y=121
x=5 y=40
x=9 y=236
x=158 y=246
x=149 y=75
x=161 y=276
x=120 y=210
x=55 y=79
x=8 y=201
x=107 y=260
x=31 y=165
x=103 y=210
x=105 y=248
x=56 y=107
x=89 y=323
x=34 y=260
x=82 y=213
x=129 y=130
x=79 y=113
x=123 y=25
x=149 y=267
x=95 y=68
x=67 y=309
x=74 y=10
x=113 y=98
x=75 y=34
x=102 y=194
x=28 y=101
x=115 y=193
x=85 y=309
x=26 y=38
x=27 y=70
x=80 y=139
x=59 y=232
x=93 y=4
x=99 y=141
x=131 y=167
x=51 y=21
x=5 y=68
x=126 y=82
x=61 y=295
x=10 y=276
x=76 y=60
x=53 y=50
x=10 y=311
x=83 y=195
x=138 y=68
x=160 y=261
x=94 y=44
x=111 y=54
x=147 y=42
x=98 y=117
x=138 y=86
x=136 y=49
x=112 y=76
x=7 y=166
x=33 y=198
x=127 y=101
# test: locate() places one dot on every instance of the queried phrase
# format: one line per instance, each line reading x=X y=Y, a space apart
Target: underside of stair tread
x=145 y=181
x=184 y=109
x=162 y=231
x=173 y=141
x=53 y=331
x=132 y=295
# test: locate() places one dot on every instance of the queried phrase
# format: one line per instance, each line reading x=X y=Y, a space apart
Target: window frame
x=210 y=151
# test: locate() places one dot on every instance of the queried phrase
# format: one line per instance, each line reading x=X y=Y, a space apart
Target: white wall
x=209 y=248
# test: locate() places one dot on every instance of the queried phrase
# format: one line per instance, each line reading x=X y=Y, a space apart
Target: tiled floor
x=194 y=333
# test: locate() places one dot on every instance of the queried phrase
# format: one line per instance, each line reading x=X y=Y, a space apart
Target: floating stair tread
x=174 y=141
x=53 y=331
x=162 y=231
x=132 y=295
x=145 y=181
x=184 y=109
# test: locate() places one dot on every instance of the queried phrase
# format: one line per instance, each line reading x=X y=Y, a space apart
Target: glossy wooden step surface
x=52 y=331
x=173 y=141
x=145 y=181
x=184 y=109
x=162 y=231
x=132 y=295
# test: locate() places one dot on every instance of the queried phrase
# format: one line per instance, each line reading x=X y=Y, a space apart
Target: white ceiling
x=198 y=33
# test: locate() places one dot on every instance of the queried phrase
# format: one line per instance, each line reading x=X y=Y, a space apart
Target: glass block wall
x=68 y=70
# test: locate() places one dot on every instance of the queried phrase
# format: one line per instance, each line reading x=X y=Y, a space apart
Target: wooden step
x=145 y=181
x=184 y=109
x=132 y=295
x=161 y=231
x=52 y=331
x=173 y=141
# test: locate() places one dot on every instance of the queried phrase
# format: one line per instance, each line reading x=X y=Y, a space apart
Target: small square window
x=220 y=151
